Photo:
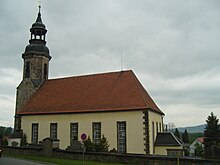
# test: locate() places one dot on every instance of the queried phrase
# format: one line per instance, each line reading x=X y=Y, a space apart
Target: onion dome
x=37 y=42
x=38 y=28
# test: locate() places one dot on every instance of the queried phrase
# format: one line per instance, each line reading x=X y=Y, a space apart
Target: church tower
x=36 y=66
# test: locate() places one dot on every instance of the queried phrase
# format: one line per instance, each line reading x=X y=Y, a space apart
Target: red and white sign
x=83 y=137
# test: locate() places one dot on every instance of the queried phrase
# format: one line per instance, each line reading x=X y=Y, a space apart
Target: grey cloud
x=173 y=47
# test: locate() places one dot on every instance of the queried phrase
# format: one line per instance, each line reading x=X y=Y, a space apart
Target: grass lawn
x=63 y=161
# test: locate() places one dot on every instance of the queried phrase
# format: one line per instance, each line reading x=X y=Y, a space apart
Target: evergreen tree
x=5 y=141
x=8 y=131
x=176 y=133
x=24 y=140
x=199 y=150
x=212 y=131
x=1 y=136
x=103 y=145
x=185 y=137
x=88 y=144
x=2 y=132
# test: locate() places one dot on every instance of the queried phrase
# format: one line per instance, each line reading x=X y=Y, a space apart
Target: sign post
x=83 y=138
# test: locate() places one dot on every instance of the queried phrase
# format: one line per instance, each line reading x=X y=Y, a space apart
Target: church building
x=113 y=104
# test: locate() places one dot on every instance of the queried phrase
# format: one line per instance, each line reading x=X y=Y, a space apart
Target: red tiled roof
x=200 y=139
x=114 y=91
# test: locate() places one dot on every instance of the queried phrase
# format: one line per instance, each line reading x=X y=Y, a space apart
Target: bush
x=199 y=150
x=24 y=140
x=88 y=144
x=102 y=146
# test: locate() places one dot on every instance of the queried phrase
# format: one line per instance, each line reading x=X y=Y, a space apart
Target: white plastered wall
x=156 y=118
x=134 y=127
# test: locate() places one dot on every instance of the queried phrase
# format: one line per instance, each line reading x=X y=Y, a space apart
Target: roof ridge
x=88 y=75
x=176 y=138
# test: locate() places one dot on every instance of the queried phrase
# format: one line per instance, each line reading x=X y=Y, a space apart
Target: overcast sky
x=173 y=47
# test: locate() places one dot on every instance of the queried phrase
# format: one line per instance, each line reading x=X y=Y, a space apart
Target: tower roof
x=38 y=24
x=37 y=42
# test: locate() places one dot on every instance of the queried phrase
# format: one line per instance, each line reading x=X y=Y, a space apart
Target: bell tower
x=36 y=66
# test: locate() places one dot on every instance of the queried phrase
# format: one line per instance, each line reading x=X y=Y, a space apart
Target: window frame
x=34 y=133
x=53 y=131
x=121 y=137
x=74 y=134
x=96 y=132
x=153 y=135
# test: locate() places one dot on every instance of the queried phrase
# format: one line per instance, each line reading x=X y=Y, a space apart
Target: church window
x=73 y=131
x=53 y=130
x=121 y=136
x=27 y=70
x=45 y=71
x=96 y=132
x=153 y=135
x=157 y=127
x=34 y=138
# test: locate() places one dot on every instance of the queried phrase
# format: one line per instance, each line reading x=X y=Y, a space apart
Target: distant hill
x=192 y=129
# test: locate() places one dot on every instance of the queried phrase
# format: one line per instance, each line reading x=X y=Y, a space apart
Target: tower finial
x=39 y=14
x=39 y=5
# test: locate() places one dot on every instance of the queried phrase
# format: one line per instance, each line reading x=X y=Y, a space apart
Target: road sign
x=83 y=137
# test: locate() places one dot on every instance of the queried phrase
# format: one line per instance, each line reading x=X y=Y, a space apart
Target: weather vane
x=39 y=3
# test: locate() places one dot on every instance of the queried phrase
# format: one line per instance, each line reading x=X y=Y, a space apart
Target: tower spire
x=39 y=14
x=39 y=4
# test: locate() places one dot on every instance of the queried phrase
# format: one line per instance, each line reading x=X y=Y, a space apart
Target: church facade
x=113 y=104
